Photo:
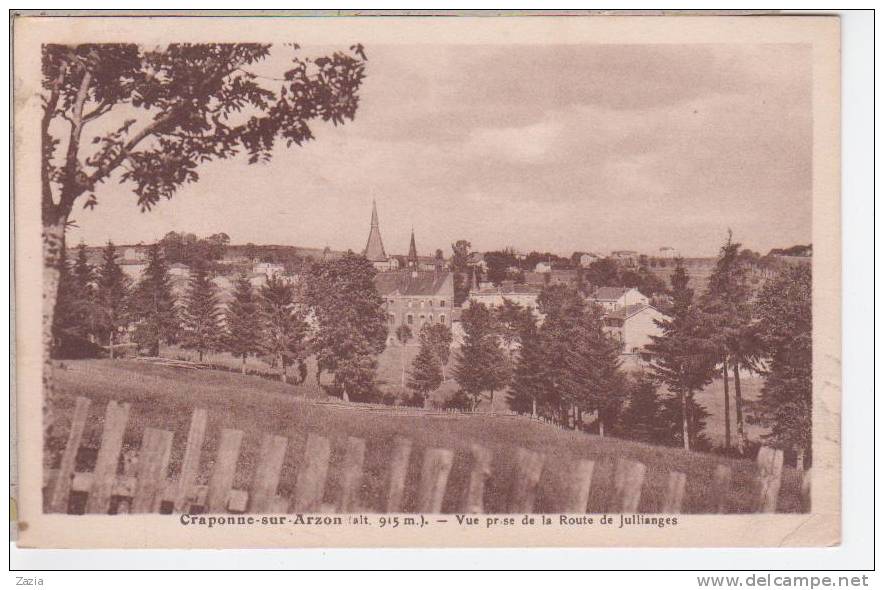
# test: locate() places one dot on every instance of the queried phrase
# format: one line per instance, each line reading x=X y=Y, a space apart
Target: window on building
x=410 y=319
x=441 y=303
x=430 y=318
x=442 y=318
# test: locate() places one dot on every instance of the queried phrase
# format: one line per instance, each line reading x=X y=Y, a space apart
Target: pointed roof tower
x=412 y=252
x=374 y=248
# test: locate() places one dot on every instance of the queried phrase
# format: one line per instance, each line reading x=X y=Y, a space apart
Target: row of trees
x=568 y=365
x=338 y=316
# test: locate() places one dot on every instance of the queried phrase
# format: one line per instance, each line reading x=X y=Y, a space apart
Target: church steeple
x=374 y=248
x=412 y=252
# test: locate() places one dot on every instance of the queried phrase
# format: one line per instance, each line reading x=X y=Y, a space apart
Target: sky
x=559 y=148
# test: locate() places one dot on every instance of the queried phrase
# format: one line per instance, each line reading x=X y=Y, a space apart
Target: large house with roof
x=614 y=298
x=491 y=296
x=633 y=325
x=416 y=297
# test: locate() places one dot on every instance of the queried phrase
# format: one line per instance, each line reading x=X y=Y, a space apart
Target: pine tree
x=439 y=338
x=426 y=372
x=153 y=305
x=68 y=323
x=403 y=335
x=112 y=293
x=481 y=365
x=243 y=319
x=528 y=381
x=284 y=328
x=201 y=314
x=644 y=417
x=683 y=358
x=83 y=275
x=784 y=310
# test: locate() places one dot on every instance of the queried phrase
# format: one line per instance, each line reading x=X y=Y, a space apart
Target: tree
x=284 y=329
x=243 y=318
x=71 y=323
x=529 y=378
x=403 y=335
x=644 y=417
x=201 y=314
x=153 y=305
x=682 y=357
x=439 y=338
x=727 y=305
x=350 y=323
x=111 y=297
x=460 y=266
x=480 y=364
x=426 y=372
x=185 y=104
x=784 y=310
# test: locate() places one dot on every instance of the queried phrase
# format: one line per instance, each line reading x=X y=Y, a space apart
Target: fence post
x=628 y=479
x=61 y=487
x=721 y=487
x=578 y=487
x=770 y=474
x=398 y=473
x=153 y=461
x=674 y=495
x=474 y=502
x=266 y=478
x=224 y=471
x=529 y=466
x=310 y=485
x=190 y=464
x=104 y=476
x=434 y=479
x=351 y=477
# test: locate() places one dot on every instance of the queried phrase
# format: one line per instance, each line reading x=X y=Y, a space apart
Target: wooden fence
x=140 y=480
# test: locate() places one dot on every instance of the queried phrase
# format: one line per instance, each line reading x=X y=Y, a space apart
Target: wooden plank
x=804 y=487
x=104 y=476
x=770 y=476
x=190 y=464
x=474 y=497
x=577 y=496
x=628 y=479
x=398 y=472
x=153 y=462
x=61 y=488
x=434 y=479
x=721 y=489
x=351 y=476
x=221 y=481
x=674 y=495
x=266 y=477
x=310 y=485
x=529 y=466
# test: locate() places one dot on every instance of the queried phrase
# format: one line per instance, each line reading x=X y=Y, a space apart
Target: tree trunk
x=282 y=375
x=110 y=344
x=491 y=405
x=685 y=430
x=242 y=367
x=534 y=407
x=53 y=245
x=799 y=461
x=200 y=353
x=738 y=405
x=727 y=407
x=601 y=425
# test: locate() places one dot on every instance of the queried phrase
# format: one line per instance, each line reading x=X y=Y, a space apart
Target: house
x=627 y=257
x=667 y=252
x=268 y=269
x=553 y=277
x=133 y=268
x=179 y=270
x=491 y=296
x=543 y=267
x=588 y=258
x=134 y=253
x=633 y=325
x=614 y=298
x=413 y=297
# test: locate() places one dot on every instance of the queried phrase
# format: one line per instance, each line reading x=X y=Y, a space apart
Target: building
x=415 y=298
x=614 y=298
x=491 y=296
x=627 y=257
x=552 y=277
x=374 y=247
x=543 y=267
x=179 y=271
x=633 y=325
x=667 y=252
x=133 y=269
x=588 y=258
x=268 y=269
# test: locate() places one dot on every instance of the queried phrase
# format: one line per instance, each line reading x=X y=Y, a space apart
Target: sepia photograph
x=398 y=275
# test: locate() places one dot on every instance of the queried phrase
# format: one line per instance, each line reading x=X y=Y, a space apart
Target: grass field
x=164 y=397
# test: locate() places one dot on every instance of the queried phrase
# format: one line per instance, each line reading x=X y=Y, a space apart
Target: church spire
x=374 y=248
x=412 y=252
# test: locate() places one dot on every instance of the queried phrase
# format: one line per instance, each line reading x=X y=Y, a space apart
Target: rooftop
x=408 y=282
